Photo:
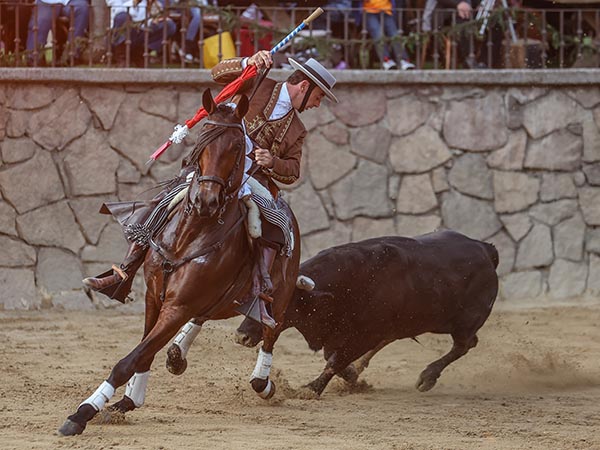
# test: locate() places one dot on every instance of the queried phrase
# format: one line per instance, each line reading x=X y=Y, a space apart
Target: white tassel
x=181 y=131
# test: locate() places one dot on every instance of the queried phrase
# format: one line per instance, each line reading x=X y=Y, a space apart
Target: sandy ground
x=533 y=382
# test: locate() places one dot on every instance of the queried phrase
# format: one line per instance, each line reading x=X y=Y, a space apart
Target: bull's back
x=401 y=287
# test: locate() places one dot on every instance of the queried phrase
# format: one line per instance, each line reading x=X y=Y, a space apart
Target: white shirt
x=283 y=105
x=137 y=13
x=55 y=2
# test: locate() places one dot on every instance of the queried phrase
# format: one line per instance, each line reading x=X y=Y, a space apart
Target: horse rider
x=275 y=135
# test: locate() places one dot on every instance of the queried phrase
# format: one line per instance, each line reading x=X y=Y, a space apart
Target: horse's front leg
x=170 y=319
x=177 y=352
x=260 y=381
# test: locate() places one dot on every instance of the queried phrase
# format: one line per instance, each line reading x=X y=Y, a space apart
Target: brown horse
x=198 y=266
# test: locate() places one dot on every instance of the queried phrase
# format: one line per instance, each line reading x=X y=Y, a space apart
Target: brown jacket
x=283 y=137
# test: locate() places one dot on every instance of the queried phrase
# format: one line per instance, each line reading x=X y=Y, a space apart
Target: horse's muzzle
x=208 y=201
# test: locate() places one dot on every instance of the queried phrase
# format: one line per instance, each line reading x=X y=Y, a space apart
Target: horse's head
x=218 y=156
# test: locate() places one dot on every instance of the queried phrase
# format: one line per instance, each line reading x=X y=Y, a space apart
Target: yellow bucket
x=211 y=49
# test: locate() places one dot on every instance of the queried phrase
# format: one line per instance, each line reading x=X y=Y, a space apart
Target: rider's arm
x=286 y=168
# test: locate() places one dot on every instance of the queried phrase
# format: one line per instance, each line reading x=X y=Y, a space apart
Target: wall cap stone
x=171 y=77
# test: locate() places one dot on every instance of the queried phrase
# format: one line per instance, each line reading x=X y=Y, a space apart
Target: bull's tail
x=492 y=253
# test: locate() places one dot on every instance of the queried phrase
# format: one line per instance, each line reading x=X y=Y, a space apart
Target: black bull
x=373 y=292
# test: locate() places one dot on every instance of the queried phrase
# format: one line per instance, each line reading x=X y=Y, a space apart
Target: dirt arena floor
x=533 y=382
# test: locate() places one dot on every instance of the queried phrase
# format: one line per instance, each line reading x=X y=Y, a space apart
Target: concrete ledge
x=548 y=77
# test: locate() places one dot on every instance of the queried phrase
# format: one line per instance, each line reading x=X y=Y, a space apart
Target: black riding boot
x=116 y=283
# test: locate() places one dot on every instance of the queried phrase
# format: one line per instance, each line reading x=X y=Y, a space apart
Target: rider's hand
x=263 y=158
x=464 y=10
x=261 y=60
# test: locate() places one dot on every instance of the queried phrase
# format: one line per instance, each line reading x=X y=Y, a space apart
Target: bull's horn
x=305 y=283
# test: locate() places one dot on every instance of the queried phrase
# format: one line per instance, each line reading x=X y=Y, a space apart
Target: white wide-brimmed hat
x=318 y=74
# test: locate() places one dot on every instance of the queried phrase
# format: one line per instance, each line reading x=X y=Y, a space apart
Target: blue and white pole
x=316 y=13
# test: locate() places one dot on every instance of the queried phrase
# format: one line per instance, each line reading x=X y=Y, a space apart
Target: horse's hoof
x=175 y=363
x=264 y=388
x=71 y=428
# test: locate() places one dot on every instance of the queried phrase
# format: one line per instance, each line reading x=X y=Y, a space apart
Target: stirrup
x=252 y=311
x=120 y=272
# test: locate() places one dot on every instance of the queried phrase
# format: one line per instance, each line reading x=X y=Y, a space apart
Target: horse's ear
x=207 y=102
x=242 y=107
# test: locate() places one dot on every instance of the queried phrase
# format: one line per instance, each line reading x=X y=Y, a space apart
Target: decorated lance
x=181 y=131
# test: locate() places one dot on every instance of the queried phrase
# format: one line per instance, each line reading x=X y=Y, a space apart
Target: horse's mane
x=207 y=135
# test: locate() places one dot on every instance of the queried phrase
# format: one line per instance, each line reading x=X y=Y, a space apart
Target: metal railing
x=430 y=39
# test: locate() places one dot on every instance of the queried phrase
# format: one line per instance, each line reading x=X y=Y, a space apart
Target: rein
x=170 y=264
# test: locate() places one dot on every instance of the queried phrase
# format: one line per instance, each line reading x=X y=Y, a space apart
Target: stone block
x=58 y=270
x=569 y=237
x=567 y=279
x=549 y=113
x=359 y=105
x=506 y=252
x=514 y=191
x=365 y=228
x=19 y=189
x=103 y=103
x=568 y=156
x=130 y=134
x=72 y=301
x=308 y=208
x=338 y=234
x=589 y=201
x=535 y=250
x=416 y=195
x=517 y=225
x=8 y=218
x=36 y=96
x=371 y=142
x=556 y=186
x=470 y=175
x=19 y=290
x=407 y=113
x=91 y=172
x=160 y=102
x=335 y=133
x=476 y=124
x=327 y=162
x=51 y=226
x=521 y=285
x=473 y=217
x=511 y=155
x=553 y=212
x=17 y=150
x=15 y=253
x=362 y=193
x=111 y=247
x=418 y=152
x=410 y=226
x=66 y=119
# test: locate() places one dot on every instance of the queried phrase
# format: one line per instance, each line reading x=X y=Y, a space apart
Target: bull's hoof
x=70 y=428
x=175 y=363
x=349 y=374
x=426 y=382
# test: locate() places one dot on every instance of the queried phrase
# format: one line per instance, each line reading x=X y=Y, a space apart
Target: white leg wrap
x=136 y=388
x=186 y=336
x=267 y=391
x=263 y=365
x=102 y=395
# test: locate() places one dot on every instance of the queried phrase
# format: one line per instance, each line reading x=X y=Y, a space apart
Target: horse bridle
x=225 y=184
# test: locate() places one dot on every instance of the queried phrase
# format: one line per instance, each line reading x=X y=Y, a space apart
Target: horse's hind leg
x=432 y=372
x=177 y=352
x=169 y=321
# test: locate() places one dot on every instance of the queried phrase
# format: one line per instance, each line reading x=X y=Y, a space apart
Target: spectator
x=131 y=14
x=380 y=15
x=467 y=55
x=193 y=26
x=47 y=10
x=337 y=11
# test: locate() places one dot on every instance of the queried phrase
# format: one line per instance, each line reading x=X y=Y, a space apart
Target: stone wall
x=508 y=157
